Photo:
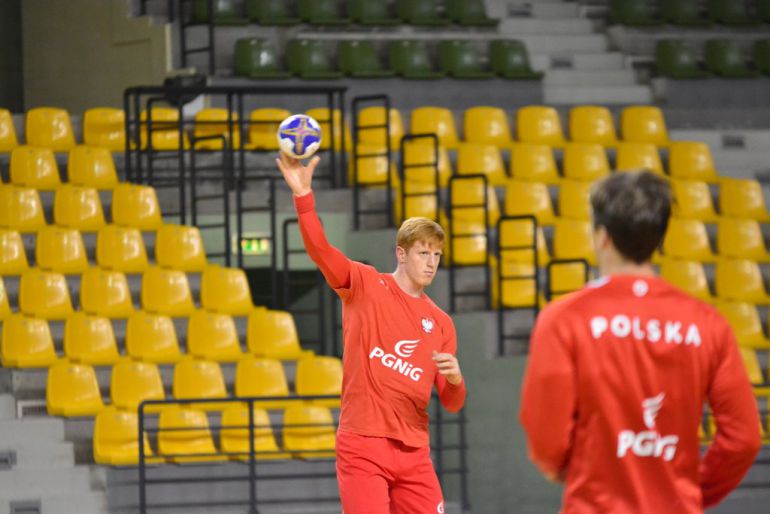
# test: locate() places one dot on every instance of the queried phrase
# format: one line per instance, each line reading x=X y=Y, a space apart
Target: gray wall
x=11 y=90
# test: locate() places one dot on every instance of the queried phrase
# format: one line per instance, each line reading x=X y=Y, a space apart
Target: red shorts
x=377 y=475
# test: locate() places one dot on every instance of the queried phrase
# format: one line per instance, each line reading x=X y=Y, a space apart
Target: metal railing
x=187 y=21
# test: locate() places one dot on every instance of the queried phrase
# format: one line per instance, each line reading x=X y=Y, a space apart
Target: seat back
x=166 y=292
x=306 y=57
x=91 y=167
x=509 y=58
x=638 y=156
x=592 y=124
x=674 y=59
x=255 y=57
x=34 y=167
x=724 y=57
x=8 y=139
x=90 y=340
x=105 y=127
x=26 y=343
x=375 y=115
x=692 y=201
x=740 y=280
x=458 y=58
x=574 y=200
x=13 y=257
x=487 y=125
x=573 y=239
x=72 y=390
x=78 y=207
x=61 y=250
x=644 y=124
x=320 y=376
x=132 y=382
x=687 y=239
x=136 y=206
x=742 y=199
x=585 y=161
x=741 y=239
x=198 y=379
x=534 y=162
x=262 y=377
x=435 y=120
x=688 y=276
x=273 y=334
x=105 y=293
x=213 y=336
x=226 y=290
x=411 y=59
x=152 y=338
x=214 y=122
x=263 y=126
x=121 y=249
x=484 y=159
x=180 y=247
x=21 y=209
x=49 y=127
x=690 y=160
x=44 y=294
x=540 y=125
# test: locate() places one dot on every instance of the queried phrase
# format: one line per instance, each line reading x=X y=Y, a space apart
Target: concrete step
x=29 y=483
x=7 y=407
x=554 y=10
x=751 y=139
x=740 y=160
x=32 y=429
x=38 y=454
x=565 y=44
x=587 y=78
x=515 y=27
x=588 y=61
x=569 y=95
x=81 y=503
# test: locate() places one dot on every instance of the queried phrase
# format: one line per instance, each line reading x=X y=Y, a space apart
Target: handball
x=299 y=136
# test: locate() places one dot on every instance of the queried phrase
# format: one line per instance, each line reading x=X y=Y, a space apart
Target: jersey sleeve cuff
x=304 y=203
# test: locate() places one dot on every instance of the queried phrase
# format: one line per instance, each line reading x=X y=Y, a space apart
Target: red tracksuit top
x=388 y=338
x=613 y=395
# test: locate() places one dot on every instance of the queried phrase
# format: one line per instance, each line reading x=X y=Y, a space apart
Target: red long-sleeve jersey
x=617 y=378
x=389 y=337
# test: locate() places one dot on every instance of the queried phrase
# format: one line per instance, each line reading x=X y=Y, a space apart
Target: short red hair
x=419 y=229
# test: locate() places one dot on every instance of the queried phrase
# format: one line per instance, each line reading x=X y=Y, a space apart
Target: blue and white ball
x=299 y=136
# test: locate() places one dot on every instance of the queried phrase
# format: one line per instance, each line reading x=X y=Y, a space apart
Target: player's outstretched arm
x=332 y=263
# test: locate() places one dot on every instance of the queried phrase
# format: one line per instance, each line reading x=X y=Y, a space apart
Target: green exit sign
x=252 y=244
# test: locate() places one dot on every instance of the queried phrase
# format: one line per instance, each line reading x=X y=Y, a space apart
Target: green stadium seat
x=730 y=12
x=724 y=58
x=469 y=12
x=420 y=12
x=321 y=12
x=410 y=60
x=256 y=58
x=635 y=13
x=763 y=8
x=359 y=59
x=762 y=56
x=461 y=60
x=271 y=12
x=674 y=59
x=367 y=12
x=309 y=60
x=226 y=12
x=685 y=13
x=509 y=59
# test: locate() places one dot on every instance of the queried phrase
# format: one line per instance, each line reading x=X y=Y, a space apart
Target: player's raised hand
x=448 y=366
x=298 y=176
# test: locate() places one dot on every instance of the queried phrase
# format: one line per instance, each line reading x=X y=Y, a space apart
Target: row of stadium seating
x=688 y=13
x=312 y=59
x=674 y=58
x=336 y=13
x=105 y=127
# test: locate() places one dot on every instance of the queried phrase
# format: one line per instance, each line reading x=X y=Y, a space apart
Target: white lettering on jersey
x=648 y=443
x=396 y=363
x=622 y=326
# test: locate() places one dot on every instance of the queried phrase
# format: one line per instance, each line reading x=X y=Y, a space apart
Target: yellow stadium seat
x=419 y=200
x=320 y=376
x=90 y=340
x=534 y=162
x=516 y=237
x=91 y=167
x=529 y=198
x=5 y=308
x=213 y=122
x=136 y=206
x=465 y=242
x=79 y=208
x=133 y=382
x=638 y=156
x=27 y=343
x=743 y=199
x=687 y=239
x=419 y=161
x=566 y=277
x=574 y=200
x=8 y=140
x=583 y=161
x=740 y=280
x=468 y=198
x=44 y=294
x=273 y=334
x=185 y=436
x=121 y=249
x=592 y=124
x=165 y=129
x=236 y=439
x=72 y=390
x=573 y=239
x=152 y=338
x=693 y=201
x=21 y=209
x=372 y=116
x=226 y=290
x=483 y=159
x=321 y=115
x=255 y=377
x=435 y=120
x=372 y=166
x=50 y=128
x=115 y=438
x=751 y=363
x=60 y=249
x=487 y=126
x=539 y=125
x=688 y=276
x=741 y=239
x=690 y=160
x=213 y=336
x=166 y=292
x=744 y=320
x=198 y=379
x=105 y=127
x=644 y=124
x=180 y=247
x=518 y=284
x=105 y=293
x=263 y=126
x=308 y=432
x=34 y=167
x=13 y=257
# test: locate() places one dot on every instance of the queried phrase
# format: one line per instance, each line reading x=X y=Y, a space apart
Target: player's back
x=645 y=354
